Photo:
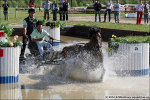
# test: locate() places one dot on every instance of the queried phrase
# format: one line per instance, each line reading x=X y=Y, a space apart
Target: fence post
x=125 y=10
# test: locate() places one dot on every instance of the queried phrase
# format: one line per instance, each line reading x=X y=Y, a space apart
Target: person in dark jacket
x=54 y=10
x=61 y=9
x=29 y=25
x=65 y=10
x=146 y=12
x=47 y=5
x=5 y=7
x=97 y=8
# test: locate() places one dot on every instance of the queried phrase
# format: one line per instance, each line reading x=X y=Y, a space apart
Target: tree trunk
x=71 y=3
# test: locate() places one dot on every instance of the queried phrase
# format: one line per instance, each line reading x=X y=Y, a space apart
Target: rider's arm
x=39 y=39
x=46 y=34
x=51 y=37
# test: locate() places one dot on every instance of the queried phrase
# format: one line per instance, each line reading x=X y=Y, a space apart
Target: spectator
x=116 y=11
x=139 y=9
x=5 y=11
x=31 y=4
x=40 y=9
x=54 y=10
x=29 y=25
x=108 y=9
x=65 y=10
x=61 y=8
x=97 y=8
x=46 y=5
x=146 y=10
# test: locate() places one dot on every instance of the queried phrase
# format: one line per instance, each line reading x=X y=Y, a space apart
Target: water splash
x=83 y=67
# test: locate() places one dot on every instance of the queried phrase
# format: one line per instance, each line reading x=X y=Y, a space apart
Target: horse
x=93 y=46
x=84 y=62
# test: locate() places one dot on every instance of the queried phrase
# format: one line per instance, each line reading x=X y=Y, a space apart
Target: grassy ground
x=20 y=15
x=122 y=26
x=137 y=38
x=39 y=15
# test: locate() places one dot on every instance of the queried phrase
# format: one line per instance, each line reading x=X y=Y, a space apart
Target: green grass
x=115 y=41
x=39 y=15
x=136 y=38
x=123 y=26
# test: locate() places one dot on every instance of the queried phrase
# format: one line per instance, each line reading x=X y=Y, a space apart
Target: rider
x=38 y=36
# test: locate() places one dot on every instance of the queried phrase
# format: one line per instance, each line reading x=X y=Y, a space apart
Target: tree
x=74 y=2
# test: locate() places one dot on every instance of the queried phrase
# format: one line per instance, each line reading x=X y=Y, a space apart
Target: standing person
x=108 y=9
x=46 y=5
x=139 y=9
x=97 y=8
x=61 y=9
x=146 y=10
x=31 y=4
x=116 y=11
x=29 y=24
x=5 y=11
x=38 y=36
x=40 y=9
x=54 y=10
x=65 y=10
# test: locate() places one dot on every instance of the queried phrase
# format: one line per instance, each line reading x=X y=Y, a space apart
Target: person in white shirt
x=116 y=11
x=139 y=9
x=54 y=10
x=108 y=9
x=46 y=5
x=146 y=11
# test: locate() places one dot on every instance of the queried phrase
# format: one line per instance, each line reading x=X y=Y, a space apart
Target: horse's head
x=95 y=36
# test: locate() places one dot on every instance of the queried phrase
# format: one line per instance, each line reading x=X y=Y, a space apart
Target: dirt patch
x=92 y=18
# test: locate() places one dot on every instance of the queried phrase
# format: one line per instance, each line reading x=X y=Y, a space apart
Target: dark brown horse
x=93 y=47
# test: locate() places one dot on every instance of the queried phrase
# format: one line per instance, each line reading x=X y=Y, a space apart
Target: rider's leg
x=48 y=46
x=40 y=47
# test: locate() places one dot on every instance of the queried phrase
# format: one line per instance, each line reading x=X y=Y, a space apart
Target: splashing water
x=83 y=67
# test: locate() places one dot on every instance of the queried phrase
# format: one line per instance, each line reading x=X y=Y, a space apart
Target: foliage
x=25 y=3
x=4 y=44
x=17 y=43
x=115 y=41
x=7 y=34
x=10 y=43
x=7 y=30
x=54 y=24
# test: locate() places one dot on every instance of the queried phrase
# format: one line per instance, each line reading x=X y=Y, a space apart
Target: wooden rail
x=92 y=11
x=87 y=11
x=19 y=9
